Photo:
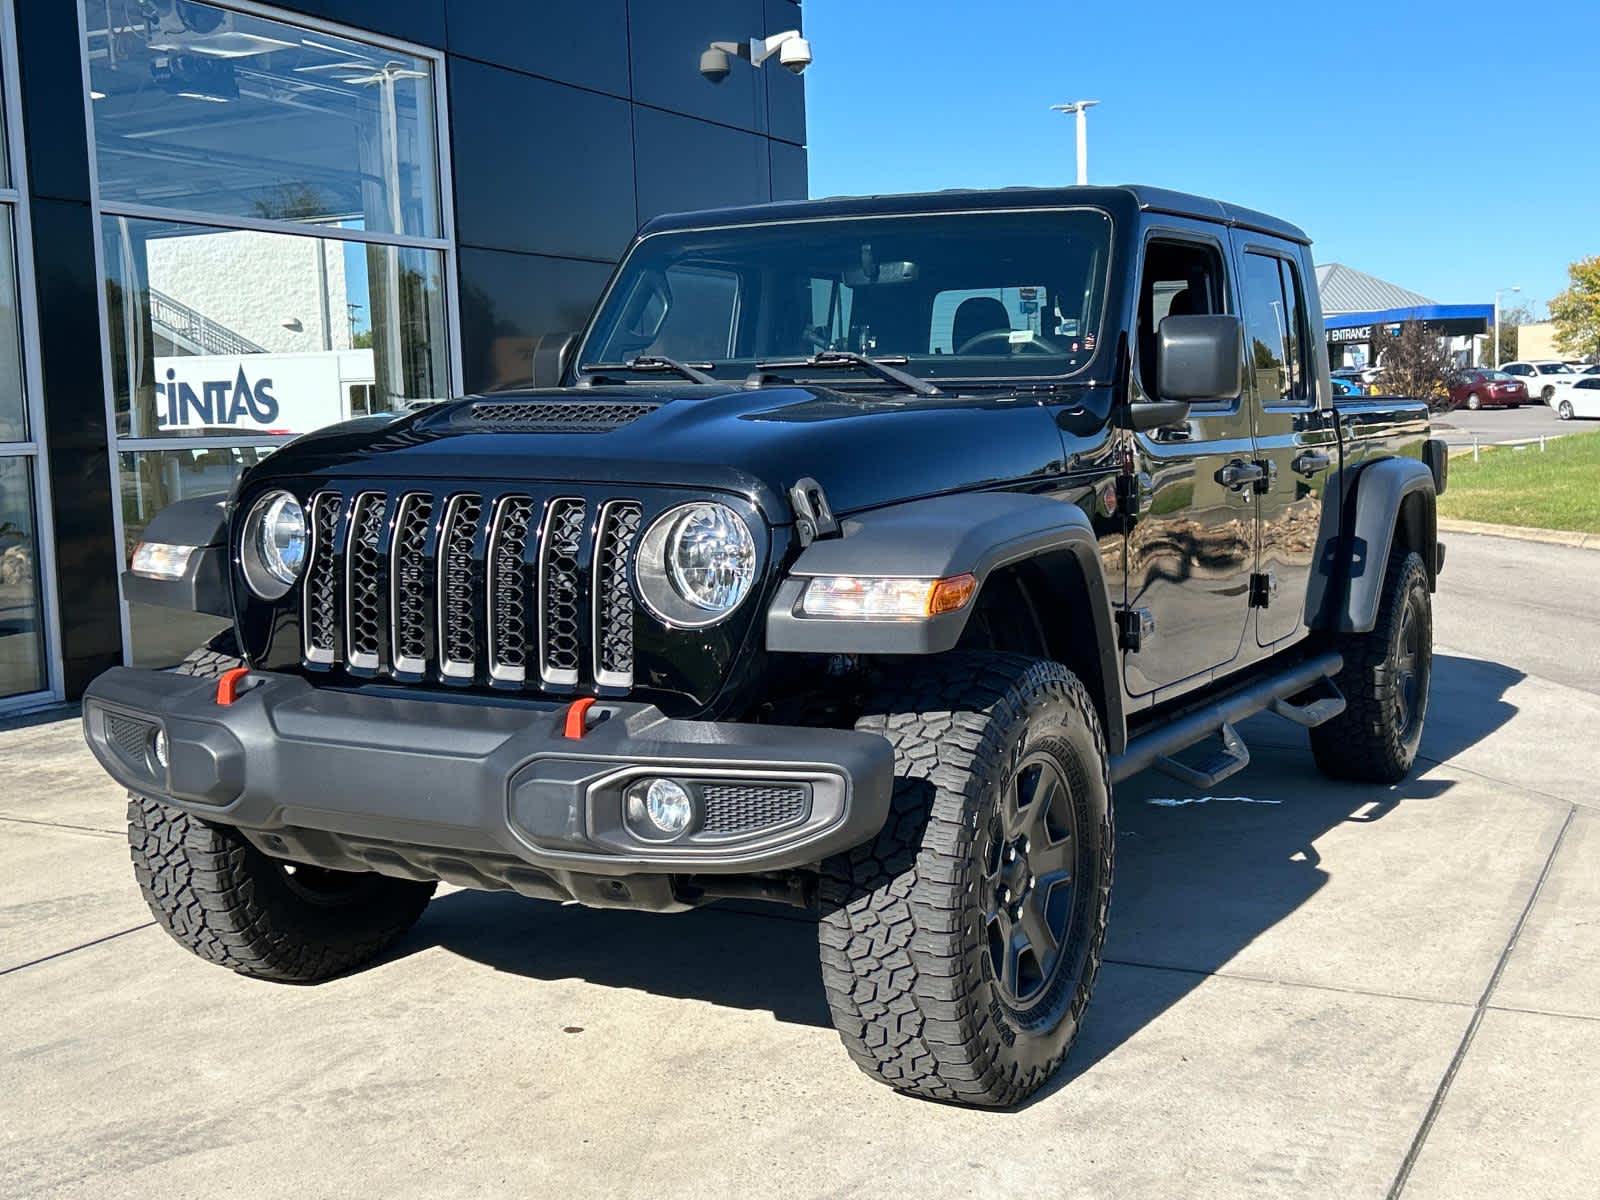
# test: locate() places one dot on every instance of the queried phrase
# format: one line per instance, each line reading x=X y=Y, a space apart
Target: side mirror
x=1198 y=358
x=552 y=355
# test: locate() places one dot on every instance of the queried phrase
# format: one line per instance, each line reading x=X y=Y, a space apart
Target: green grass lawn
x=1556 y=489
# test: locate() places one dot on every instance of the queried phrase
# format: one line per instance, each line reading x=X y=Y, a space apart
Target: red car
x=1483 y=388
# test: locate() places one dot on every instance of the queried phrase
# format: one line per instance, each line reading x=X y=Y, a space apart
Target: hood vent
x=553 y=416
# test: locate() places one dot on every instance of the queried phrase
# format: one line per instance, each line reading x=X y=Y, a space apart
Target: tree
x=1415 y=364
x=1510 y=318
x=1576 y=311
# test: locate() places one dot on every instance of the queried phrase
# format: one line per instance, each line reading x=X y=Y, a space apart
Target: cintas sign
x=258 y=393
x=216 y=402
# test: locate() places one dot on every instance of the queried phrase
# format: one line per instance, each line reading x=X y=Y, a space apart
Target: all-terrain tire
x=1385 y=683
x=908 y=945
x=225 y=901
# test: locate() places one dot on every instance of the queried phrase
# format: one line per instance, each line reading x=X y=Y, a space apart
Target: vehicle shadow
x=1197 y=882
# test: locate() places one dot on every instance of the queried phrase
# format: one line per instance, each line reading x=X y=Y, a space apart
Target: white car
x=1544 y=377
x=1579 y=399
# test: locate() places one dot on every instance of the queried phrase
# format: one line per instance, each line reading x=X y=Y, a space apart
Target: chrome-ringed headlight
x=272 y=548
x=696 y=564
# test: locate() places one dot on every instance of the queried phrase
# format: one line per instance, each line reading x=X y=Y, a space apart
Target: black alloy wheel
x=1030 y=874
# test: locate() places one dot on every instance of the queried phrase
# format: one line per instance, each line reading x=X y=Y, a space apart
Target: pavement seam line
x=1543 y=1012
x=1240 y=977
x=112 y=833
x=1443 y=1090
x=74 y=949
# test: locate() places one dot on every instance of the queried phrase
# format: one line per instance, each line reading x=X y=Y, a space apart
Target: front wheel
x=1385 y=682
x=1547 y=394
x=959 y=947
x=226 y=902
x=1564 y=411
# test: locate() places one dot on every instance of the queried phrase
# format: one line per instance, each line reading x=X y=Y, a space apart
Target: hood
x=866 y=449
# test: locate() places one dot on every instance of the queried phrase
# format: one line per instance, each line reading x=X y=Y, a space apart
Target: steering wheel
x=1035 y=342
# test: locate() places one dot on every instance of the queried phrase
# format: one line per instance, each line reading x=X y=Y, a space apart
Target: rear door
x=1294 y=435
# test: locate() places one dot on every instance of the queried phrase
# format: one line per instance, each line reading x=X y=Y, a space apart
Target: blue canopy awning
x=1476 y=317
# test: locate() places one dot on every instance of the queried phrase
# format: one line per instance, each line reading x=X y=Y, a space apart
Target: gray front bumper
x=479 y=794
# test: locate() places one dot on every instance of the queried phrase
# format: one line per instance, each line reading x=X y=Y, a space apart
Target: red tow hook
x=230 y=684
x=577 y=715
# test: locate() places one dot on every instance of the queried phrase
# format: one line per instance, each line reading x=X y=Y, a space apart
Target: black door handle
x=1309 y=462
x=1239 y=474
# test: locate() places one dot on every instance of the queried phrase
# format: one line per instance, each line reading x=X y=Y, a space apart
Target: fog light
x=659 y=807
x=160 y=748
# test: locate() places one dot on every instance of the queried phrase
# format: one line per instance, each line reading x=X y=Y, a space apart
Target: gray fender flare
x=1373 y=514
x=975 y=533
x=201 y=522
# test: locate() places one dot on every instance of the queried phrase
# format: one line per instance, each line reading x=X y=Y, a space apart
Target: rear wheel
x=960 y=947
x=1474 y=401
x=1385 y=682
x=228 y=903
x=1547 y=393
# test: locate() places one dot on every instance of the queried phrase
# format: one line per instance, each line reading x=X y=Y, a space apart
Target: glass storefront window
x=21 y=615
x=151 y=480
x=275 y=246
x=242 y=332
x=13 y=400
x=203 y=110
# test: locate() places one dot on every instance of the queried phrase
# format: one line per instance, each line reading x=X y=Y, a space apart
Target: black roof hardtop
x=1125 y=197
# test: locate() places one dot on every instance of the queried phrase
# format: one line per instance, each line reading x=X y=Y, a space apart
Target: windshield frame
x=1103 y=347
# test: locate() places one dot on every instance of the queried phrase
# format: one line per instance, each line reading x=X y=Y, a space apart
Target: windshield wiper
x=832 y=359
x=653 y=362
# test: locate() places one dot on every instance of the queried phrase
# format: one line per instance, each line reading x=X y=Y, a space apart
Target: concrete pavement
x=1311 y=990
x=1491 y=425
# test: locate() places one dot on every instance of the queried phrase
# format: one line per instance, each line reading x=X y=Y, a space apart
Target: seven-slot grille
x=521 y=590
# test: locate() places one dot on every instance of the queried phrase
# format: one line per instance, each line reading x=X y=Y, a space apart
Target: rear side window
x=1275 y=330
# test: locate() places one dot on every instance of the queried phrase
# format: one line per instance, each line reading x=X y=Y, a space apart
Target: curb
x=1522 y=533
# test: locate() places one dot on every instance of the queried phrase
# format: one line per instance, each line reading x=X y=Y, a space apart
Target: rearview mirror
x=1198 y=358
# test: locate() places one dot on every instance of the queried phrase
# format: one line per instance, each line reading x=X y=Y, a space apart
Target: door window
x=1275 y=330
x=1180 y=279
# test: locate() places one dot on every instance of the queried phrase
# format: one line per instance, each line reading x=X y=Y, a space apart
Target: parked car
x=862 y=608
x=1542 y=377
x=1348 y=387
x=1479 y=387
x=1582 y=399
x=1590 y=369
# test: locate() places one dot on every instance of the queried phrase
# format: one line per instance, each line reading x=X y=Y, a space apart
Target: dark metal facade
x=571 y=123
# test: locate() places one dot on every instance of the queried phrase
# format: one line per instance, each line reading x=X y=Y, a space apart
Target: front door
x=1192 y=546
x=1294 y=436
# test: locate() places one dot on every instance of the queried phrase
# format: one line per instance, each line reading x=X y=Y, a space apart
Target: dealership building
x=225 y=224
x=1357 y=306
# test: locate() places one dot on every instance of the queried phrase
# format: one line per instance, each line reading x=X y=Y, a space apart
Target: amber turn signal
x=948 y=595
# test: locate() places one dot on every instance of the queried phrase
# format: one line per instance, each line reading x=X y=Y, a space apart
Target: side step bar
x=1157 y=747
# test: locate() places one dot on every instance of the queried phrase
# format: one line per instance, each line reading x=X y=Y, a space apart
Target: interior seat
x=978 y=315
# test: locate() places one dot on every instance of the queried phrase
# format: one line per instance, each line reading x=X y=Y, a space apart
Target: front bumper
x=477 y=794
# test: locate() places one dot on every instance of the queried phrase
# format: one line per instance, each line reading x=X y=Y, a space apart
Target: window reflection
x=240 y=332
x=21 y=618
x=204 y=110
x=151 y=480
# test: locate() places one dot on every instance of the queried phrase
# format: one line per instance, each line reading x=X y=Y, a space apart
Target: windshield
x=963 y=296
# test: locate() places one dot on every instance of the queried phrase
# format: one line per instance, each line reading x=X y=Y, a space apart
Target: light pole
x=1081 y=109
x=1497 y=294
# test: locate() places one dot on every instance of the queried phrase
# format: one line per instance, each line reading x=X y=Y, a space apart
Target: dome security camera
x=795 y=54
x=715 y=64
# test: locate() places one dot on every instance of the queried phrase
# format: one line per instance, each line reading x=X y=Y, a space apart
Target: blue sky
x=1450 y=147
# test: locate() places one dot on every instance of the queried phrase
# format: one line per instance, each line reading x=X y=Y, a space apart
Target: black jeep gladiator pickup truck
x=847 y=559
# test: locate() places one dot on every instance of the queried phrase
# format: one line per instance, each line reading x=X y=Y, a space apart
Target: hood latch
x=813 y=518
